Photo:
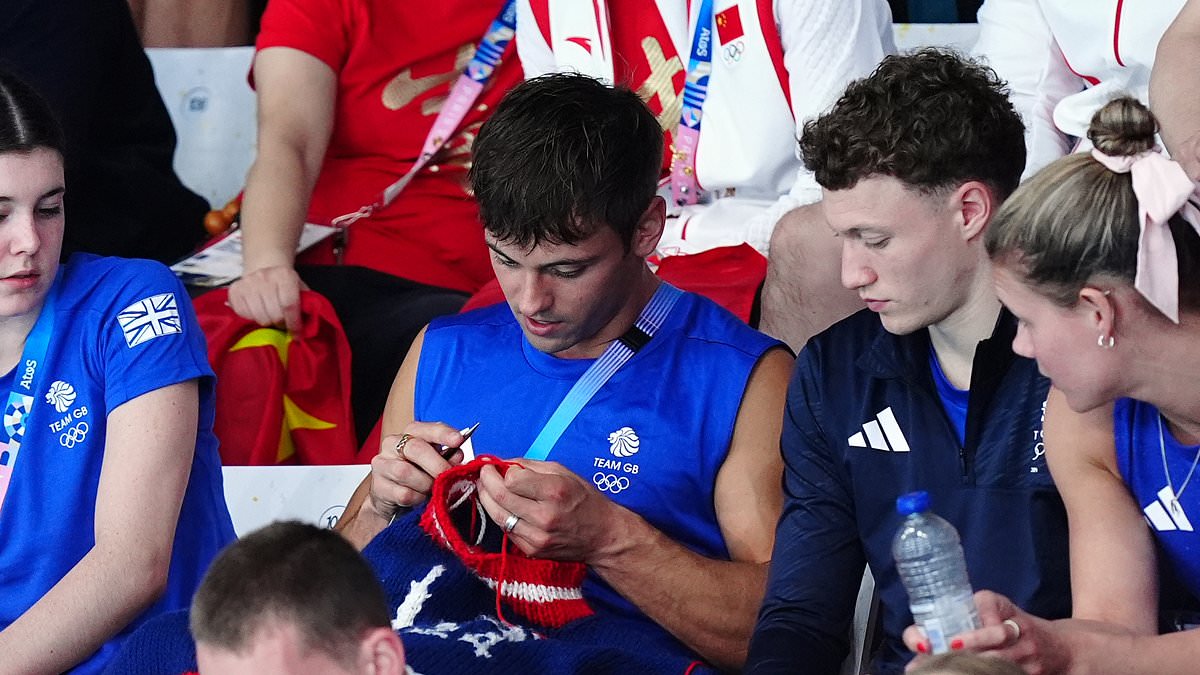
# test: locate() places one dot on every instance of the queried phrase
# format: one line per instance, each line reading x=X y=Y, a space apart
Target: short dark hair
x=294 y=573
x=563 y=155
x=26 y=120
x=931 y=119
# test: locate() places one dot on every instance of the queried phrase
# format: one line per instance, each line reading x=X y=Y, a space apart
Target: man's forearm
x=709 y=605
x=783 y=646
x=359 y=523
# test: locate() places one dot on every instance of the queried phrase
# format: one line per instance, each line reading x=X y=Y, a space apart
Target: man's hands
x=269 y=296
x=402 y=474
x=562 y=516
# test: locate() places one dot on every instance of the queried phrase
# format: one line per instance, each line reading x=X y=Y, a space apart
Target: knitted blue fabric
x=447 y=619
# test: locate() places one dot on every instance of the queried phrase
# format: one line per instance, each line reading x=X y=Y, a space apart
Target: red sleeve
x=317 y=27
x=541 y=13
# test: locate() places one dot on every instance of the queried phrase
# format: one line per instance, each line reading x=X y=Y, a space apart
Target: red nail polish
x=956 y=644
x=922 y=647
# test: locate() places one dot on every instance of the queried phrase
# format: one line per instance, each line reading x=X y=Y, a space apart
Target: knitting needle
x=446 y=451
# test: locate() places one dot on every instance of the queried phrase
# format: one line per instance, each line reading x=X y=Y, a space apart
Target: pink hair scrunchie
x=1162 y=189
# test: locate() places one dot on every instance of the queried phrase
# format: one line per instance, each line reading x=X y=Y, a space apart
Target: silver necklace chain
x=1162 y=449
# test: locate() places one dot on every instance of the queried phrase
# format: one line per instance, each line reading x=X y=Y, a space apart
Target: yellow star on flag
x=294 y=417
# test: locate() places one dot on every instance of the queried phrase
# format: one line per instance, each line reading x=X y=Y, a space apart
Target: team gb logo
x=624 y=442
x=61 y=396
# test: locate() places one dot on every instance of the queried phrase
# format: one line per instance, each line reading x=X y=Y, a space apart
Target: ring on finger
x=510 y=523
x=401 y=443
x=1016 y=629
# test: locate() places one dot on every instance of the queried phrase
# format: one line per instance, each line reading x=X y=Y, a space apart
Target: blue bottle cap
x=913 y=502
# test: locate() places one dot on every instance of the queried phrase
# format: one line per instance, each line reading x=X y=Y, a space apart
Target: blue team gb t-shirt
x=122 y=328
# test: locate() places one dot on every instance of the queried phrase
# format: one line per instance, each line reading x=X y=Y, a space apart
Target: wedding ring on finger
x=1016 y=629
x=401 y=443
x=510 y=523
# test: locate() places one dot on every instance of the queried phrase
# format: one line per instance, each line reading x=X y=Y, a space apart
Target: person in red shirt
x=347 y=92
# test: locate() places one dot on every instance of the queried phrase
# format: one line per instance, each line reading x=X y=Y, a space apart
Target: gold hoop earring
x=1106 y=341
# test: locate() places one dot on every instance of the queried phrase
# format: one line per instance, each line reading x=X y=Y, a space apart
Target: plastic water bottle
x=929 y=557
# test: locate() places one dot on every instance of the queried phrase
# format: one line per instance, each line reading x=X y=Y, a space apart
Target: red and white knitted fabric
x=546 y=592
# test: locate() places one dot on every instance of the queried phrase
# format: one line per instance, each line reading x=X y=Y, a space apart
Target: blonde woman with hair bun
x=1098 y=256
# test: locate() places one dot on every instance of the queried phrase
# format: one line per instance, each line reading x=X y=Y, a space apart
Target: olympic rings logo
x=608 y=482
x=734 y=50
x=75 y=434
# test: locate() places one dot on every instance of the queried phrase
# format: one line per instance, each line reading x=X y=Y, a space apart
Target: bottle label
x=932 y=627
x=945 y=618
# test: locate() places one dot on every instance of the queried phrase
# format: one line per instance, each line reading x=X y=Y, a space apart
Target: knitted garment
x=445 y=609
x=547 y=592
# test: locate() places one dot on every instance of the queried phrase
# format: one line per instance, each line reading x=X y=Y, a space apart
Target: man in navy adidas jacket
x=920 y=391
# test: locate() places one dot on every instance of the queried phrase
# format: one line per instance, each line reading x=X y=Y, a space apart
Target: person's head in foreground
x=31 y=201
x=293 y=598
x=965 y=663
x=565 y=172
x=914 y=160
x=1097 y=258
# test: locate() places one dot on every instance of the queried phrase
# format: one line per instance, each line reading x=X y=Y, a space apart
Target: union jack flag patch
x=144 y=320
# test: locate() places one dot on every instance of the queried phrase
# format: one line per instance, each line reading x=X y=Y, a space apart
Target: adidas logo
x=1166 y=514
x=881 y=433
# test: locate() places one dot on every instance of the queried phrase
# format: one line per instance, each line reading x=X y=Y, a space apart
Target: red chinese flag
x=281 y=398
x=729 y=25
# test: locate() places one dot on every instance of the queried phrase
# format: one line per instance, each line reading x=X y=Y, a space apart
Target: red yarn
x=546 y=592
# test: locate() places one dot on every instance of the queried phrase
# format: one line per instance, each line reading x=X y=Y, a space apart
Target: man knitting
x=644 y=420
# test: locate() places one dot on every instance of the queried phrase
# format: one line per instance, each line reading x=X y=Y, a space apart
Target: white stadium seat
x=259 y=495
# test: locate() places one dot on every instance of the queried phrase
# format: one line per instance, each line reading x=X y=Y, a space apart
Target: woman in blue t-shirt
x=1098 y=256
x=106 y=445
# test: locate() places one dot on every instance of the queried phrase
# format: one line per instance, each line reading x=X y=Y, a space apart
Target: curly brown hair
x=931 y=118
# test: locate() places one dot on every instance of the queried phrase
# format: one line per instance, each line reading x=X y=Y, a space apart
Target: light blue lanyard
x=695 y=87
x=18 y=411
x=653 y=315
